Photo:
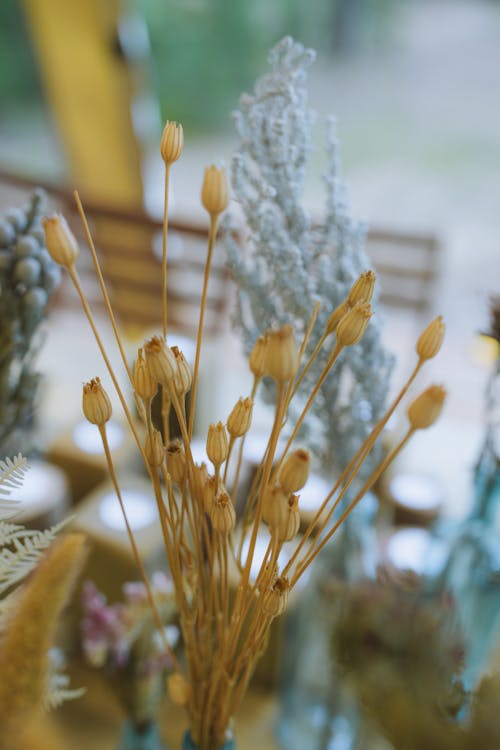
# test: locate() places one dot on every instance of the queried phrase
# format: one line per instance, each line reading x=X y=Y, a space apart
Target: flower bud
x=176 y=461
x=178 y=689
x=144 y=384
x=295 y=470
x=172 y=142
x=281 y=354
x=183 y=377
x=214 y=192
x=257 y=359
x=209 y=494
x=427 y=407
x=362 y=289
x=160 y=360
x=153 y=448
x=281 y=513
x=60 y=240
x=353 y=325
x=222 y=515
x=200 y=477
x=336 y=316
x=217 y=443
x=95 y=402
x=276 y=598
x=430 y=340
x=238 y=422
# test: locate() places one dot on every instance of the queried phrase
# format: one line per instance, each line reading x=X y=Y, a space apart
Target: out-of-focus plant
x=28 y=277
x=121 y=639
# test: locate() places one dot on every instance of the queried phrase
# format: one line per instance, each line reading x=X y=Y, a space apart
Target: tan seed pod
x=95 y=402
x=172 y=142
x=295 y=470
x=430 y=340
x=200 y=477
x=160 y=360
x=362 y=289
x=274 y=506
x=176 y=461
x=178 y=689
x=290 y=528
x=352 y=326
x=427 y=407
x=336 y=316
x=275 y=600
x=222 y=515
x=281 y=354
x=60 y=240
x=144 y=384
x=209 y=494
x=257 y=359
x=154 y=449
x=217 y=443
x=240 y=419
x=183 y=377
x=214 y=192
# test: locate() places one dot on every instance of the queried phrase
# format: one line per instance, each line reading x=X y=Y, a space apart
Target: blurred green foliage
x=19 y=83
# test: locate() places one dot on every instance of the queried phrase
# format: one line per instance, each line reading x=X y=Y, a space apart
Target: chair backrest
x=408 y=267
x=129 y=246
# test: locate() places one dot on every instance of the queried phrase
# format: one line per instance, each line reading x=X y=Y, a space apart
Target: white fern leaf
x=12 y=472
x=58 y=682
x=24 y=552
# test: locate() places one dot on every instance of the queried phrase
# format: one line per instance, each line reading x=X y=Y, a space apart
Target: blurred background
x=86 y=86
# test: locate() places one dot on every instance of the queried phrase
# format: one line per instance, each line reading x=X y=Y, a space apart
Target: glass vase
x=188 y=744
x=140 y=737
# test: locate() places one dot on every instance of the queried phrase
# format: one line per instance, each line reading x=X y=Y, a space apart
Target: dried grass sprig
x=227 y=596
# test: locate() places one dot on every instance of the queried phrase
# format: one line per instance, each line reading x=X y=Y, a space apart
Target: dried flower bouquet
x=224 y=628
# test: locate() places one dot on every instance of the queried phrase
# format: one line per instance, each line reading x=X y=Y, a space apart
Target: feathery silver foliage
x=291 y=261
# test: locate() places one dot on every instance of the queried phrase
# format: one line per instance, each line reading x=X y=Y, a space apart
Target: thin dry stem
x=164 y=251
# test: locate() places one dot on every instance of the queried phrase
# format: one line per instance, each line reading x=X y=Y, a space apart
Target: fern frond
x=26 y=549
x=12 y=472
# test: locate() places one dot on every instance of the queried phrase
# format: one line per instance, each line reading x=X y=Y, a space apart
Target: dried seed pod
x=172 y=142
x=154 y=449
x=144 y=384
x=60 y=240
x=427 y=407
x=209 y=494
x=240 y=419
x=183 y=377
x=200 y=477
x=276 y=597
x=95 y=402
x=362 y=289
x=176 y=461
x=336 y=316
x=160 y=360
x=178 y=689
x=430 y=340
x=295 y=470
x=281 y=354
x=214 y=192
x=352 y=326
x=217 y=443
x=257 y=359
x=222 y=515
x=281 y=513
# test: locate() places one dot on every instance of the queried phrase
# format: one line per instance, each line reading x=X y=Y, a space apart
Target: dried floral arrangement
x=28 y=277
x=28 y=616
x=122 y=640
x=292 y=261
x=224 y=628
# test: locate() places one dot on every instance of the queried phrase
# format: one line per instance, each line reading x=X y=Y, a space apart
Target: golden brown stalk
x=102 y=284
x=29 y=634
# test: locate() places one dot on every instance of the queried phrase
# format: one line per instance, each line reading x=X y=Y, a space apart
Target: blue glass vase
x=140 y=737
x=188 y=744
